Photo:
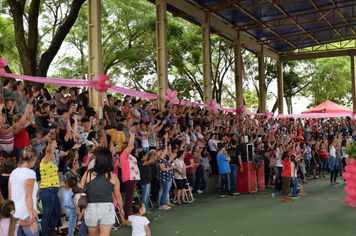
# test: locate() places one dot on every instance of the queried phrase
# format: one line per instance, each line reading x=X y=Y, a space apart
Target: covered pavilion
x=283 y=30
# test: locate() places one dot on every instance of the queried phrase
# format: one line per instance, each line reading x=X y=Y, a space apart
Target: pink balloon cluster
x=268 y=114
x=103 y=83
x=241 y=110
x=3 y=62
x=171 y=96
x=214 y=106
x=350 y=177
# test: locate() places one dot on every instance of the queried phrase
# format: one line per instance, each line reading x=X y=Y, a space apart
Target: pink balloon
x=347 y=168
x=352 y=169
x=347 y=175
x=351 y=193
x=174 y=94
x=354 y=177
x=349 y=199
x=2 y=71
x=351 y=184
x=5 y=61
x=101 y=83
x=97 y=87
x=174 y=101
x=167 y=98
x=97 y=78
x=168 y=91
x=346 y=188
x=352 y=161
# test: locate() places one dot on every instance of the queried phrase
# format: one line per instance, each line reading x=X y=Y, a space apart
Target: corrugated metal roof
x=283 y=25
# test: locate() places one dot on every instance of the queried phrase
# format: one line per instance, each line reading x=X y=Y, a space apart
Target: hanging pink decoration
x=3 y=62
x=171 y=96
x=268 y=114
x=103 y=83
x=241 y=110
x=214 y=106
x=350 y=176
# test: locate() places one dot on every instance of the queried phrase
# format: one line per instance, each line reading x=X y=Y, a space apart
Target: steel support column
x=280 y=87
x=95 y=51
x=161 y=42
x=353 y=82
x=205 y=31
x=262 y=82
x=238 y=70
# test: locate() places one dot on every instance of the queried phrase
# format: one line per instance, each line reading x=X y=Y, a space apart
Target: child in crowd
x=71 y=208
x=8 y=223
x=138 y=221
x=11 y=109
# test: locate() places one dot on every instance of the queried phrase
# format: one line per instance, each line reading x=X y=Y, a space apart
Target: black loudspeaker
x=246 y=151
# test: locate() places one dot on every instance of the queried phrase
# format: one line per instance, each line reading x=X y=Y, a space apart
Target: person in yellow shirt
x=117 y=135
x=49 y=187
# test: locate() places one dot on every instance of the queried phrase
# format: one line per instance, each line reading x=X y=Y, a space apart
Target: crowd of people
x=46 y=139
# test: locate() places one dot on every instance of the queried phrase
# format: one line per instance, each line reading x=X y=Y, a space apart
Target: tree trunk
x=28 y=51
x=275 y=106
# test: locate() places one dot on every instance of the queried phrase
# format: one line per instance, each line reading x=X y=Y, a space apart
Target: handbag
x=80 y=196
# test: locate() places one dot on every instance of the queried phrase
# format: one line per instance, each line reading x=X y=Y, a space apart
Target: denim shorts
x=99 y=214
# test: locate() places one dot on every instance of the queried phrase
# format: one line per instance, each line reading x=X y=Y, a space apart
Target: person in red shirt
x=323 y=155
x=286 y=174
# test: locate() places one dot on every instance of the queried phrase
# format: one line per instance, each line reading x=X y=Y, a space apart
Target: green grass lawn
x=322 y=212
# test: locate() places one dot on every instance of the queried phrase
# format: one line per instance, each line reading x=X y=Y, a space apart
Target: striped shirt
x=7 y=140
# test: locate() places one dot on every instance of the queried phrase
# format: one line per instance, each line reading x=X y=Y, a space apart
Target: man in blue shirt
x=223 y=160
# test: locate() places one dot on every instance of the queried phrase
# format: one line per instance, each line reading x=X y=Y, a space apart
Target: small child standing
x=71 y=209
x=8 y=223
x=138 y=221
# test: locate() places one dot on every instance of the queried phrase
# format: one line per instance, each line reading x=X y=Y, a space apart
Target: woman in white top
x=23 y=191
x=279 y=165
x=213 y=153
x=343 y=154
x=333 y=163
x=180 y=177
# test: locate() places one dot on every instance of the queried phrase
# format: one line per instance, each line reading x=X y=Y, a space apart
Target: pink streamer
x=116 y=89
x=80 y=83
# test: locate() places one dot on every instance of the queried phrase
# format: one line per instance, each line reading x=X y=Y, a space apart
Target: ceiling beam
x=318 y=34
x=333 y=14
x=317 y=55
x=230 y=6
x=217 y=24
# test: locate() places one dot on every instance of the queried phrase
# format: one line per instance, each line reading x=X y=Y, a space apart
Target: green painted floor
x=322 y=212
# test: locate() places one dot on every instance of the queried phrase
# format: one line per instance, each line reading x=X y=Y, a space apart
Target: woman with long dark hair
x=100 y=183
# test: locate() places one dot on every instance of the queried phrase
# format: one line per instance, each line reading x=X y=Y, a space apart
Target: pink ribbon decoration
x=80 y=83
x=103 y=83
x=171 y=96
x=241 y=110
x=3 y=62
x=268 y=114
x=215 y=106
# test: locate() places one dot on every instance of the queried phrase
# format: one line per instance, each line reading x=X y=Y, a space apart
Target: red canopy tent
x=328 y=107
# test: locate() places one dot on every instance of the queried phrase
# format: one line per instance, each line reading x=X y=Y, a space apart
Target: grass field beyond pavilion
x=322 y=212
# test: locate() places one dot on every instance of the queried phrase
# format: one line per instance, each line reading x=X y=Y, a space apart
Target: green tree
x=38 y=45
x=331 y=81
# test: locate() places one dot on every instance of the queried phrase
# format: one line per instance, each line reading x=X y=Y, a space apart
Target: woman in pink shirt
x=129 y=170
